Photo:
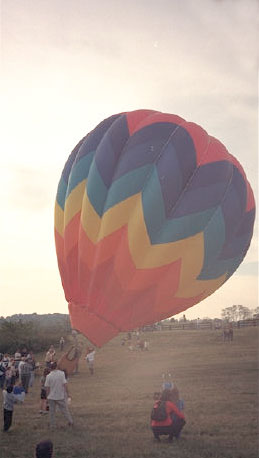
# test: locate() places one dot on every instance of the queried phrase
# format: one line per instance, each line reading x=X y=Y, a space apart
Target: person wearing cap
x=57 y=392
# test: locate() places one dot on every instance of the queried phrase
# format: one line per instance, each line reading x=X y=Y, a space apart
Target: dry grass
x=218 y=381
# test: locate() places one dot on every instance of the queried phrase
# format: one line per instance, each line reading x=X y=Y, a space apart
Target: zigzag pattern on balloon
x=115 y=251
x=112 y=282
x=144 y=254
x=160 y=228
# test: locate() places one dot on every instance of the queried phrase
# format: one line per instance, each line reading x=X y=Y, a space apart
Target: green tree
x=18 y=334
x=236 y=312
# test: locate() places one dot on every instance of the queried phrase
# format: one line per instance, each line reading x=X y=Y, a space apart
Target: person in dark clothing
x=9 y=400
x=2 y=375
x=44 y=449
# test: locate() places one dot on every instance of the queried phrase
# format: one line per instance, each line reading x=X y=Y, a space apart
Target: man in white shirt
x=57 y=392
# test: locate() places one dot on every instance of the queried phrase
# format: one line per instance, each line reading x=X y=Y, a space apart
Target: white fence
x=182 y=326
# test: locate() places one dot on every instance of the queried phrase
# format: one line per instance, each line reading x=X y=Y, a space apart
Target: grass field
x=111 y=410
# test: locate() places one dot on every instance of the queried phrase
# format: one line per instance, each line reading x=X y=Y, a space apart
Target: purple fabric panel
x=110 y=148
x=171 y=176
x=212 y=173
x=236 y=247
x=92 y=140
x=247 y=223
x=234 y=204
x=241 y=238
x=144 y=147
x=206 y=189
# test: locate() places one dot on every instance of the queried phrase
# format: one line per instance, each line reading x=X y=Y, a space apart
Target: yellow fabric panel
x=119 y=216
x=90 y=220
x=144 y=255
x=73 y=203
x=97 y=228
x=188 y=288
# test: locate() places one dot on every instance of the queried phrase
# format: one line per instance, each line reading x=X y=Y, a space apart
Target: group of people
x=17 y=374
x=132 y=345
x=53 y=385
x=20 y=367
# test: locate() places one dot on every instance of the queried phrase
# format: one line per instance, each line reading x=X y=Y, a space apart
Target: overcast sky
x=68 y=64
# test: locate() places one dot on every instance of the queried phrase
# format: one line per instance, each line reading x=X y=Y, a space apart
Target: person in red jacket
x=174 y=421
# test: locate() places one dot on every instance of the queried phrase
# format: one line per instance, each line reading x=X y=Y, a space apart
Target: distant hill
x=49 y=320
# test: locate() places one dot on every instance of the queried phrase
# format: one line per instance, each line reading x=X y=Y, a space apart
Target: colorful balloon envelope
x=152 y=216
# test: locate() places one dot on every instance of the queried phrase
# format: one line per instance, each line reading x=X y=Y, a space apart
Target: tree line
x=239 y=312
x=33 y=331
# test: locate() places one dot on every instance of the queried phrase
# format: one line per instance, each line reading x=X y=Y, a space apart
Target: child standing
x=90 y=359
x=8 y=404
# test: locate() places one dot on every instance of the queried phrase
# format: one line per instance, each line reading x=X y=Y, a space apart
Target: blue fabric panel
x=181 y=228
x=61 y=192
x=79 y=172
x=96 y=189
x=127 y=186
x=161 y=230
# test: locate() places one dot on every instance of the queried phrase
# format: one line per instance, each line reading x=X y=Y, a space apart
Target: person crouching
x=171 y=423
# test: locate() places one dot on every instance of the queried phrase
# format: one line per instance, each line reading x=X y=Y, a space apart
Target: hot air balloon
x=152 y=215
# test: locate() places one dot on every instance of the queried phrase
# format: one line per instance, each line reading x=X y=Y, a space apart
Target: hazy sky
x=68 y=64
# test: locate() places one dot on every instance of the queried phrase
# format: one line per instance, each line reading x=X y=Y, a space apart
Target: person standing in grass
x=32 y=363
x=90 y=359
x=50 y=355
x=43 y=391
x=9 y=399
x=61 y=343
x=2 y=374
x=24 y=373
x=56 y=385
